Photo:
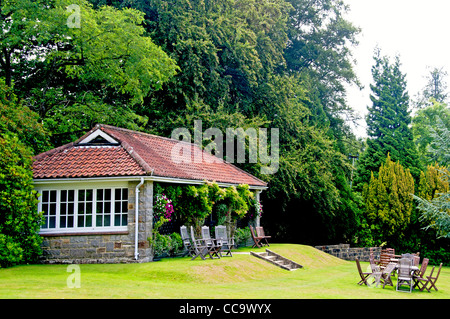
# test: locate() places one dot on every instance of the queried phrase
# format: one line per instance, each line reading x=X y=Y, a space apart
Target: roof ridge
x=138 y=132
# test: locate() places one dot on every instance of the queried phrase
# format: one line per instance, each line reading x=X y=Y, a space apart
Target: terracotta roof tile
x=84 y=161
x=138 y=154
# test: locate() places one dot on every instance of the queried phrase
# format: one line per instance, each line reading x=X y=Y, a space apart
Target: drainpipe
x=136 y=242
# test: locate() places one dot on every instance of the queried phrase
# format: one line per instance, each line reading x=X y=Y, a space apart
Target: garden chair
x=385 y=257
x=416 y=260
x=419 y=278
x=364 y=275
x=186 y=241
x=260 y=233
x=199 y=247
x=214 y=245
x=256 y=239
x=432 y=280
x=387 y=273
x=404 y=274
x=227 y=244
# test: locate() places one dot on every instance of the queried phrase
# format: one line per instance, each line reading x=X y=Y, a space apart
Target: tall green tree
x=423 y=123
x=319 y=45
x=389 y=202
x=20 y=136
x=434 y=90
x=436 y=211
x=80 y=66
x=388 y=122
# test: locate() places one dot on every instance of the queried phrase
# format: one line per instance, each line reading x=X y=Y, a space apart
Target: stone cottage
x=94 y=191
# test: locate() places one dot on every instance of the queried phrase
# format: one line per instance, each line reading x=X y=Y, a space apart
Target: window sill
x=83 y=233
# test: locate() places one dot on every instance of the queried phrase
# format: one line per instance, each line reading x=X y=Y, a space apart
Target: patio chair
x=364 y=275
x=227 y=244
x=186 y=241
x=432 y=280
x=416 y=259
x=404 y=274
x=260 y=233
x=373 y=265
x=199 y=247
x=419 y=278
x=385 y=257
x=214 y=245
x=387 y=273
x=256 y=239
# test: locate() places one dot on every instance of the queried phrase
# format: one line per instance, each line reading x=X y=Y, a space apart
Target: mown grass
x=239 y=277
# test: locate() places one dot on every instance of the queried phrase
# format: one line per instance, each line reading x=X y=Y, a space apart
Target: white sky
x=418 y=31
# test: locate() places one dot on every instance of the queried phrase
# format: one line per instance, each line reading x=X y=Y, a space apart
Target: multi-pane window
x=84 y=209
x=103 y=207
x=85 y=203
x=67 y=209
x=121 y=207
x=49 y=205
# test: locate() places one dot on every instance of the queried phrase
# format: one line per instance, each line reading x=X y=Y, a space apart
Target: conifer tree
x=436 y=211
x=389 y=202
x=388 y=122
x=433 y=182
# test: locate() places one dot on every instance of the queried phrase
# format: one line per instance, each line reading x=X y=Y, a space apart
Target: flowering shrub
x=258 y=208
x=162 y=210
x=163 y=207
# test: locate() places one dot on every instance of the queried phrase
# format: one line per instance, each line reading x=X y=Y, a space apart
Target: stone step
x=277 y=260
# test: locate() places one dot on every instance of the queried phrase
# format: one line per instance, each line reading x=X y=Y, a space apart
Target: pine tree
x=389 y=202
x=388 y=122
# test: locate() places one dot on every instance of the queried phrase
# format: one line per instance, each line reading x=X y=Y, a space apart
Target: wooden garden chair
x=199 y=247
x=432 y=280
x=227 y=244
x=387 y=273
x=404 y=274
x=364 y=275
x=214 y=245
x=187 y=241
x=256 y=239
x=260 y=233
x=419 y=278
x=385 y=257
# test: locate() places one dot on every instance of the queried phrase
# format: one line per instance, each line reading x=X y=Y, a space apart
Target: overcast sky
x=416 y=30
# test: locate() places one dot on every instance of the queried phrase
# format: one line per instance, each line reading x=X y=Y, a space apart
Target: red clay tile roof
x=138 y=154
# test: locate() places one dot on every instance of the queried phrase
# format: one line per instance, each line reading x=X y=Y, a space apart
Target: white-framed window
x=84 y=209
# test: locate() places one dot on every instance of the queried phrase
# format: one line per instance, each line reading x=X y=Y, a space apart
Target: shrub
x=19 y=219
x=167 y=245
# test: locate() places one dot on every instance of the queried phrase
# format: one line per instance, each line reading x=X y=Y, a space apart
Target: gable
x=98 y=137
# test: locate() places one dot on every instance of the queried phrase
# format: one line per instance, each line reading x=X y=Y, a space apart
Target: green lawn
x=241 y=276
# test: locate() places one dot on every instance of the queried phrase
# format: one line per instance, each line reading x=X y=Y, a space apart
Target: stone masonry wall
x=107 y=247
x=343 y=251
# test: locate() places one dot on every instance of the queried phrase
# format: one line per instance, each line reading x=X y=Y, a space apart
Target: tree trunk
x=6 y=64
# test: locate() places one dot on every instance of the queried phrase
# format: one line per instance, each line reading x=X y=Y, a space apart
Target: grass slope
x=241 y=276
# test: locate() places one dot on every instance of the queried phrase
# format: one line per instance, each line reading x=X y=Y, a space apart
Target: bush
x=19 y=219
x=167 y=245
x=241 y=236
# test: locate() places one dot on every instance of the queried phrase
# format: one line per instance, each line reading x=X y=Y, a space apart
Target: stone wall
x=112 y=247
x=343 y=251
x=81 y=249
